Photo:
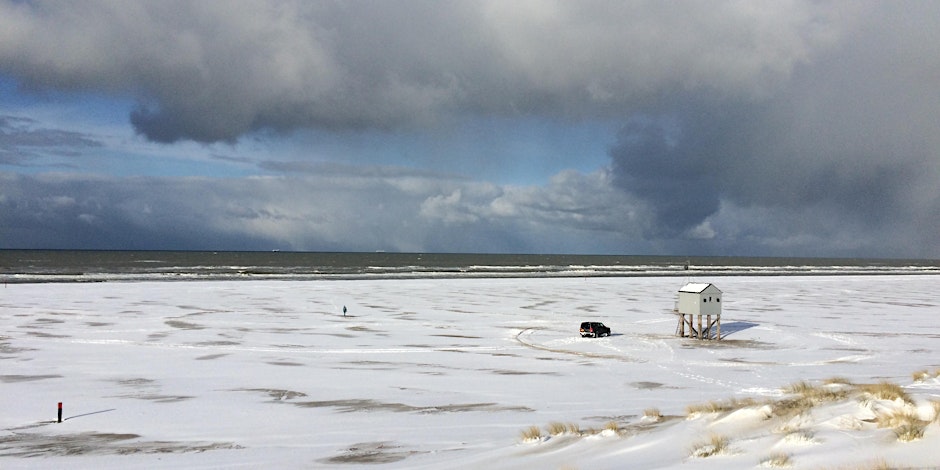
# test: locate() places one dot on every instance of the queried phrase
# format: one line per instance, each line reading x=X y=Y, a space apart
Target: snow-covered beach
x=454 y=373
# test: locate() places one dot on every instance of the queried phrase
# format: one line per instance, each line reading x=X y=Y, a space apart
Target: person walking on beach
x=344 y=310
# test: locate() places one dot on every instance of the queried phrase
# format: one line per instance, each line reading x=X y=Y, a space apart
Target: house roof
x=697 y=287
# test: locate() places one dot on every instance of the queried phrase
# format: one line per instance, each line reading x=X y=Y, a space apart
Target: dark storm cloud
x=674 y=171
x=214 y=70
x=779 y=157
x=847 y=149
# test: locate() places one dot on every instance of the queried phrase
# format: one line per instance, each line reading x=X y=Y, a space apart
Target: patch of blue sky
x=74 y=107
x=166 y=166
x=111 y=163
x=503 y=150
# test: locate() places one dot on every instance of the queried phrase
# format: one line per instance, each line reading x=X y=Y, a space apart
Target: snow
x=694 y=287
x=449 y=373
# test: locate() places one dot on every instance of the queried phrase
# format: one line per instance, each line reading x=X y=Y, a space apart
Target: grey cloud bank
x=753 y=128
x=339 y=212
x=215 y=70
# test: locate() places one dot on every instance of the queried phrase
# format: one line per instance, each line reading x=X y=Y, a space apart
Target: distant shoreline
x=49 y=266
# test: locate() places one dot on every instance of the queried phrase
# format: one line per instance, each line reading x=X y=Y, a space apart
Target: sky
x=725 y=128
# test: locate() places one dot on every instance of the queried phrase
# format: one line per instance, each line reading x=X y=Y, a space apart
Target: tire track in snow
x=522 y=336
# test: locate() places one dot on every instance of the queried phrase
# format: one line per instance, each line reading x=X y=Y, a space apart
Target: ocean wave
x=208 y=272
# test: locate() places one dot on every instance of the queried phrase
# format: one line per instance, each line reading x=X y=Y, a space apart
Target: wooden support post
x=708 y=330
x=719 y=328
x=699 y=327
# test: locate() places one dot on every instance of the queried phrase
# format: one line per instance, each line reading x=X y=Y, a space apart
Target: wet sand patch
x=857 y=350
x=218 y=343
x=462 y=311
x=209 y=357
x=276 y=394
x=363 y=329
x=40 y=334
x=369 y=405
x=921 y=351
x=184 y=325
x=284 y=363
x=728 y=344
x=191 y=307
x=368 y=365
x=370 y=453
x=7 y=348
x=147 y=389
x=94 y=443
x=538 y=305
x=156 y=398
x=339 y=335
x=98 y=323
x=284 y=331
x=26 y=378
x=504 y=355
x=646 y=385
x=520 y=372
x=381 y=308
x=137 y=382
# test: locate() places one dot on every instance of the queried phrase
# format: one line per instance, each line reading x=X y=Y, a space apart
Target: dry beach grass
x=890 y=407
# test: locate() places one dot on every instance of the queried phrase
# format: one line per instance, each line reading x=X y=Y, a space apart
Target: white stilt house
x=695 y=301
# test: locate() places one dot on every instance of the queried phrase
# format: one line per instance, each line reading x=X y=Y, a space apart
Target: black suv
x=594 y=329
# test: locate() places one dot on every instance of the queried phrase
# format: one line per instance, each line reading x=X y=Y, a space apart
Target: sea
x=36 y=266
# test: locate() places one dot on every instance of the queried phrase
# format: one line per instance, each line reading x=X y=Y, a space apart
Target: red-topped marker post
x=60 y=411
